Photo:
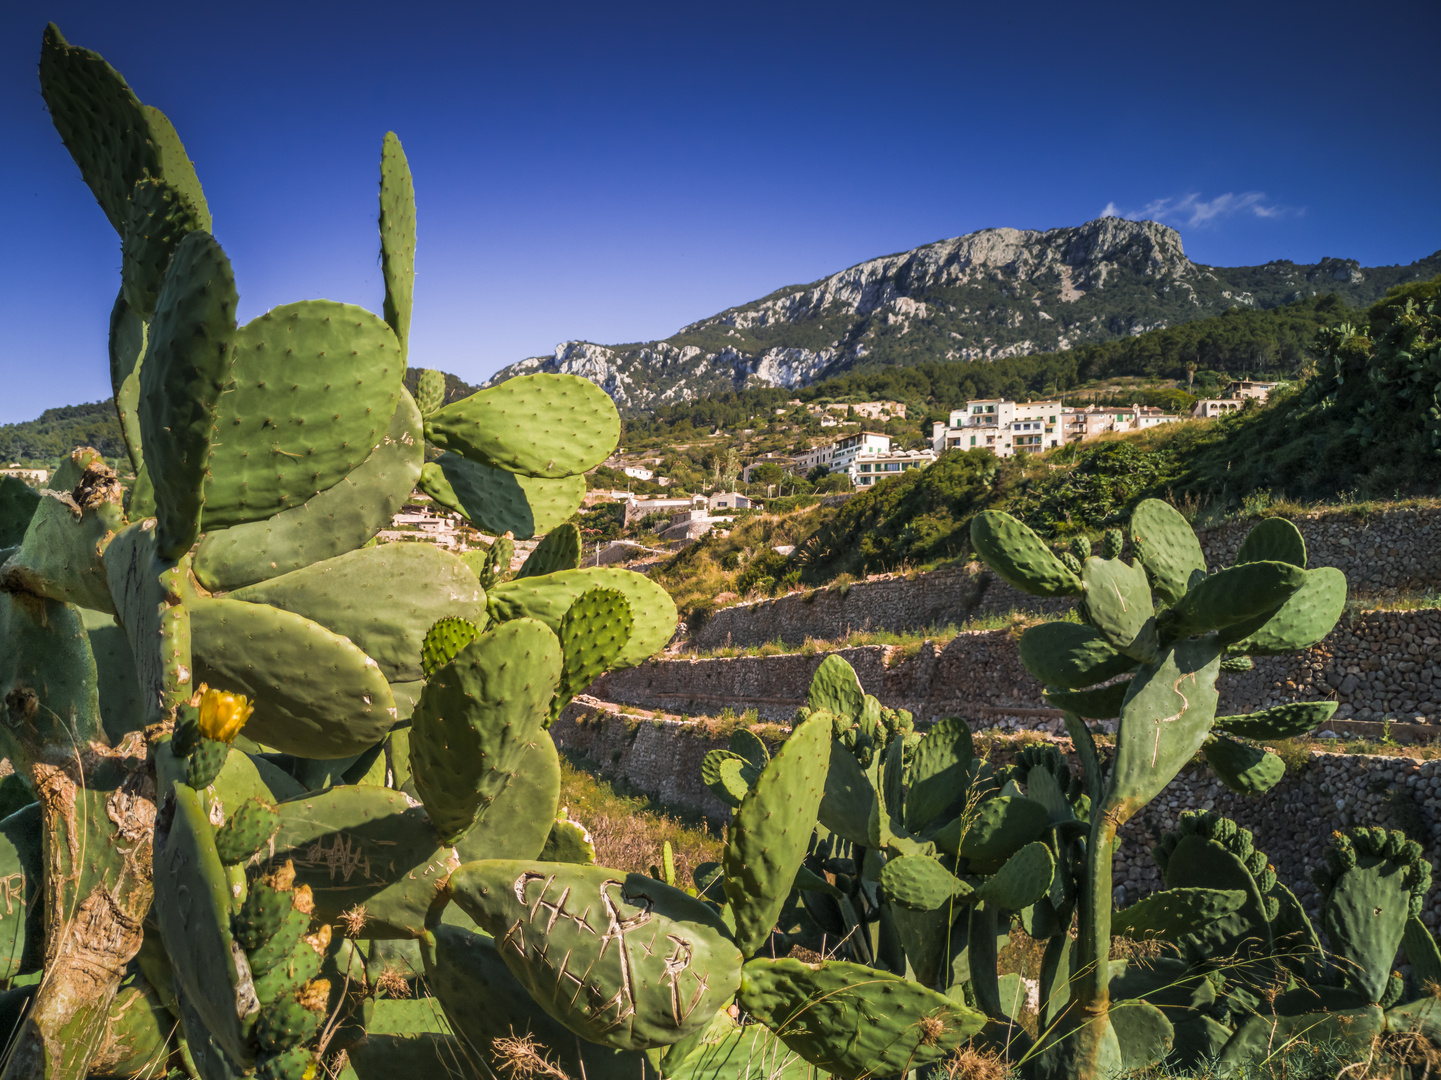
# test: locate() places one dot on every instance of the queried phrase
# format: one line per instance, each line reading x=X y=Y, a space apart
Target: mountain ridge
x=986 y=295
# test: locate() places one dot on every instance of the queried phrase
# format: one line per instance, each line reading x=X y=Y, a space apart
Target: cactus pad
x=996 y=829
x=100 y=120
x=729 y=776
x=475 y=718
x=339 y=519
x=921 y=883
x=620 y=959
x=1172 y=913
x=521 y=821
x=187 y=366
x=1020 y=557
x=834 y=687
x=771 y=828
x=593 y=635
x=429 y=390
x=1165 y=719
x=294 y=1019
x=313 y=388
x=549 y=598
x=1118 y=599
x=1273 y=540
x=1166 y=547
x=534 y=425
x=853 y=1021
x=486 y=1002
x=248 y=829
x=383 y=599
x=358 y=846
x=1102 y=703
x=1071 y=656
x=497 y=501
x=397 y=238
x=1022 y=881
x=1303 y=620
x=1279 y=721
x=940 y=773
x=315 y=693
x=1234 y=595
x=157 y=218
x=445 y=638
x=1245 y=769
x=205 y=762
x=1377 y=883
x=559 y=550
x=192 y=906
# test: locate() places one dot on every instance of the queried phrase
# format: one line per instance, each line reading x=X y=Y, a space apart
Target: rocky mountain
x=984 y=296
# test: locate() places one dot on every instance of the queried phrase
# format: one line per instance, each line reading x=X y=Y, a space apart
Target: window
x=865 y=466
x=1053 y=419
x=973 y=440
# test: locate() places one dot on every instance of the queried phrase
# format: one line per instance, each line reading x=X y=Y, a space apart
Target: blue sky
x=614 y=171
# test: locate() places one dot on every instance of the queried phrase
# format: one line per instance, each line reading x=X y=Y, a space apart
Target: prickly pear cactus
x=250 y=745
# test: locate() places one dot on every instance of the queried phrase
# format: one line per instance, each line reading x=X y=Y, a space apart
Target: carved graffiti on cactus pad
x=622 y=942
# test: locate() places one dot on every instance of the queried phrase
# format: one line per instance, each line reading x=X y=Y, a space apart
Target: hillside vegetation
x=1364 y=423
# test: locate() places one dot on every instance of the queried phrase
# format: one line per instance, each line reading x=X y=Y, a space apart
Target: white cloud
x=1192 y=210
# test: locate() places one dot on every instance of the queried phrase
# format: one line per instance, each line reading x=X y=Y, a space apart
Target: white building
x=1002 y=427
x=33 y=477
x=635 y=509
x=729 y=500
x=869 y=469
x=840 y=455
x=636 y=472
x=1210 y=408
x=1246 y=388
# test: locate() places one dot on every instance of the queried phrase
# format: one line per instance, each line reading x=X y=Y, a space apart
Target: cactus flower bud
x=223 y=714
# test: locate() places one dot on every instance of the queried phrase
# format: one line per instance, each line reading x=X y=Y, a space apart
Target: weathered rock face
x=983 y=296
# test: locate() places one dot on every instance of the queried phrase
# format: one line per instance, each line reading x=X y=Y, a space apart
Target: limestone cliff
x=983 y=296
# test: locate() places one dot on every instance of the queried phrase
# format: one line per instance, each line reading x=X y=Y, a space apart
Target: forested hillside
x=58 y=431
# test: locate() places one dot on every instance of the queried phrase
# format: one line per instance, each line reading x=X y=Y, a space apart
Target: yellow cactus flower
x=223 y=714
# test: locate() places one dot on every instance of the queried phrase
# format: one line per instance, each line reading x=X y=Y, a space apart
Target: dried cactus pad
x=620 y=959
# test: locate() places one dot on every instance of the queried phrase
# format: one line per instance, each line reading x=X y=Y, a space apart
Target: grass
x=629 y=830
x=908 y=641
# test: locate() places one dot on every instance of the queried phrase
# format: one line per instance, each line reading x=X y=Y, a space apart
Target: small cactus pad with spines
x=445 y=638
x=205 y=762
x=559 y=550
x=593 y=635
x=247 y=830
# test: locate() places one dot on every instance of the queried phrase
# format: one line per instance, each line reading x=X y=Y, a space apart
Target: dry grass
x=970 y=1063
x=629 y=831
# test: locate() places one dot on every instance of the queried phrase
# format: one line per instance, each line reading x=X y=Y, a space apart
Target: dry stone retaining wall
x=1384 y=554
x=1378 y=665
